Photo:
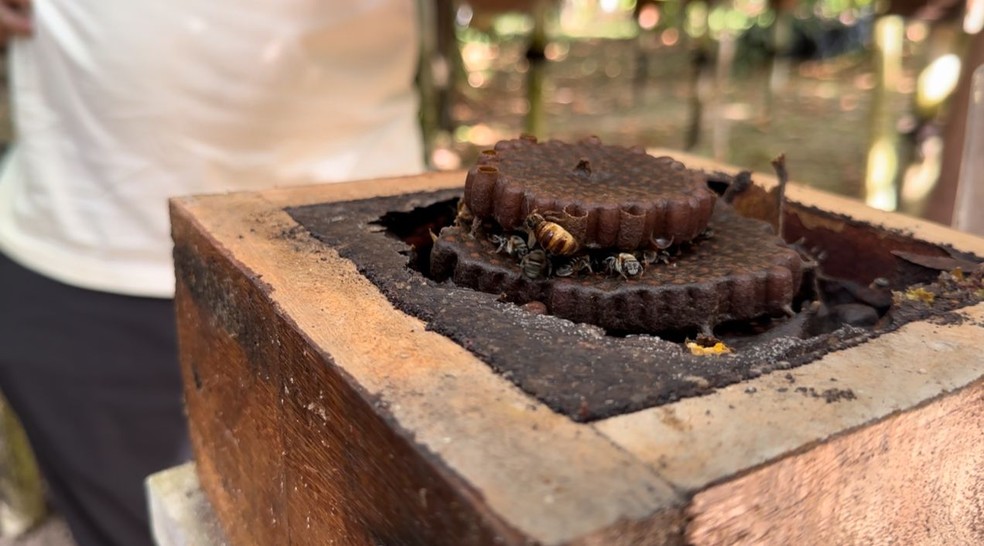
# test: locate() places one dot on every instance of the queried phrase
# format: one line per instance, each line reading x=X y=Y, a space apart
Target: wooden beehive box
x=322 y=414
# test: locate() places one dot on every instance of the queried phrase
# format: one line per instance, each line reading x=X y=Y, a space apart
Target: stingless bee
x=464 y=215
x=574 y=266
x=513 y=246
x=649 y=257
x=465 y=219
x=551 y=236
x=624 y=264
x=535 y=265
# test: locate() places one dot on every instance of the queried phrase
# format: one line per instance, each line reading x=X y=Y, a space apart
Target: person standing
x=119 y=105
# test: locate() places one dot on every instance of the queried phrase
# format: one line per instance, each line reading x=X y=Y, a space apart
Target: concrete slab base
x=180 y=515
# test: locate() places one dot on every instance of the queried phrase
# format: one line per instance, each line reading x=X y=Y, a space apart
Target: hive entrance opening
x=416 y=228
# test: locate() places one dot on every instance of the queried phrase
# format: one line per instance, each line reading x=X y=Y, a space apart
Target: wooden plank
x=700 y=441
x=231 y=392
x=912 y=478
x=357 y=477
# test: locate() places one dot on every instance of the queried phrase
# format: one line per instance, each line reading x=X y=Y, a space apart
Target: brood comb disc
x=605 y=196
x=741 y=272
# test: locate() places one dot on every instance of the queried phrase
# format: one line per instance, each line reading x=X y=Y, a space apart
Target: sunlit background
x=857 y=93
x=862 y=96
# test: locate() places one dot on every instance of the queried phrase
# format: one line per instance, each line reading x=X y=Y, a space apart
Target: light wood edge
x=923 y=229
x=701 y=441
x=526 y=462
x=916 y=477
x=315 y=193
x=853 y=208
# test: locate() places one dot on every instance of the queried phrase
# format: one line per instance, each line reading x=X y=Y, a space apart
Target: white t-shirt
x=121 y=104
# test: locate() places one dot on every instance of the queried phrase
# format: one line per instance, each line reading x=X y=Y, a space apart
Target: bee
x=624 y=264
x=464 y=215
x=574 y=266
x=649 y=257
x=535 y=265
x=465 y=219
x=512 y=245
x=551 y=236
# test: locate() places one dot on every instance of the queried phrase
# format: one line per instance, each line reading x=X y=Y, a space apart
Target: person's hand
x=15 y=18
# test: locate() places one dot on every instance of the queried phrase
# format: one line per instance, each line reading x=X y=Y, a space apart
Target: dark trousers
x=94 y=378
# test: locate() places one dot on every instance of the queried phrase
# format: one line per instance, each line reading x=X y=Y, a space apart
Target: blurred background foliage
x=859 y=94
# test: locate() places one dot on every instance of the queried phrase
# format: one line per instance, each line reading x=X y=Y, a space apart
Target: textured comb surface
x=605 y=196
x=741 y=272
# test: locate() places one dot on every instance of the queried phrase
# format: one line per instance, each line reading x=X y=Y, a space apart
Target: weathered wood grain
x=913 y=478
x=231 y=391
x=698 y=441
